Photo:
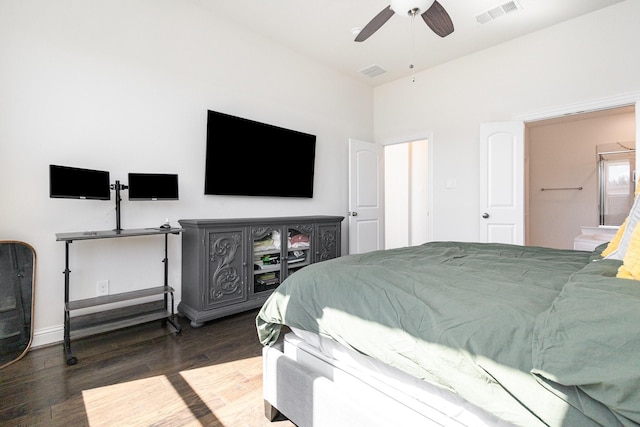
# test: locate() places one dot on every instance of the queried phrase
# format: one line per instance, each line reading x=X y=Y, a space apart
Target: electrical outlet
x=103 y=287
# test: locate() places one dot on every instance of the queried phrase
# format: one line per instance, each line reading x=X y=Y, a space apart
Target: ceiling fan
x=432 y=12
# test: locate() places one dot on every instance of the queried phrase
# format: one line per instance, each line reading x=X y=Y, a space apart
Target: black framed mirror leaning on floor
x=17 y=290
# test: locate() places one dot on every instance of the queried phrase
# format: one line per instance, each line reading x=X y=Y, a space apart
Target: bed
x=458 y=334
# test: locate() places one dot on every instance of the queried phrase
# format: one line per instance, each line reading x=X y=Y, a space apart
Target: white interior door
x=366 y=196
x=502 y=170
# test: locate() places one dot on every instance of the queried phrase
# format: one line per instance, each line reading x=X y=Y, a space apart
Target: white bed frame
x=311 y=389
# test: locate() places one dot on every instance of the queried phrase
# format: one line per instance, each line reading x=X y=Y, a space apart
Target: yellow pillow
x=630 y=268
x=630 y=223
x=616 y=250
x=613 y=244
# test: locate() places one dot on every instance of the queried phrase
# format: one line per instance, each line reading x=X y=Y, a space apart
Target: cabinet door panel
x=225 y=268
x=327 y=245
x=266 y=254
x=299 y=247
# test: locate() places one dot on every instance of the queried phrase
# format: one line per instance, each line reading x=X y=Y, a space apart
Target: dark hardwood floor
x=145 y=375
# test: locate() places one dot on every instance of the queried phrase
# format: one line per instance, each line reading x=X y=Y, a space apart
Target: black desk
x=80 y=327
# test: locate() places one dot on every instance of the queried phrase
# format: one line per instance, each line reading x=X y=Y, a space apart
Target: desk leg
x=171 y=319
x=71 y=359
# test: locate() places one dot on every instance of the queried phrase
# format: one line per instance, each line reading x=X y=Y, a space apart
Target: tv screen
x=153 y=186
x=76 y=183
x=249 y=158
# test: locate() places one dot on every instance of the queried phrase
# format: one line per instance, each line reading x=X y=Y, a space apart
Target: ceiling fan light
x=404 y=7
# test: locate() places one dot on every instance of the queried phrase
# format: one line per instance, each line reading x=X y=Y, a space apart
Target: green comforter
x=536 y=336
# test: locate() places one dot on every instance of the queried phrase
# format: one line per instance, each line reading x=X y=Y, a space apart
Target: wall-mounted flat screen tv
x=248 y=158
x=76 y=183
x=153 y=186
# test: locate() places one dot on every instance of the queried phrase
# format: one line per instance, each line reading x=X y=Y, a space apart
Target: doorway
x=563 y=158
x=406 y=193
x=399 y=171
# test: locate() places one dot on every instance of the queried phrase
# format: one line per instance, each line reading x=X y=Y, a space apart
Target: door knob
x=485 y=215
x=353 y=213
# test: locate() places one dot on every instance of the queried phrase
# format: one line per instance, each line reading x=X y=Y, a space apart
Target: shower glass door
x=617 y=186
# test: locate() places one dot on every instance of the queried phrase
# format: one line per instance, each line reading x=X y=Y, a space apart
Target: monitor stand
x=117 y=187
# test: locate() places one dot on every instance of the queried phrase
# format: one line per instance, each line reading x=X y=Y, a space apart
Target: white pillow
x=632 y=220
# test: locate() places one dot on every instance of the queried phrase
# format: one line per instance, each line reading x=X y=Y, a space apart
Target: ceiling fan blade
x=375 y=24
x=438 y=20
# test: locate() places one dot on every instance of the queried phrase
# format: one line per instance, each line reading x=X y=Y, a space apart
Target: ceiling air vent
x=498 y=11
x=373 y=70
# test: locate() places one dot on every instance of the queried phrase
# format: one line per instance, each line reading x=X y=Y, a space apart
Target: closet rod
x=562 y=188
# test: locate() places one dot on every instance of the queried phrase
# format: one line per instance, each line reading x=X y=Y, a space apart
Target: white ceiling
x=322 y=29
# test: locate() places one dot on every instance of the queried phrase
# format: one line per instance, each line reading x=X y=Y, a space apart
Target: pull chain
x=413 y=45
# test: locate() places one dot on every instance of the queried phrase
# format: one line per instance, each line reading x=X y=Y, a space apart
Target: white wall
x=124 y=85
x=583 y=60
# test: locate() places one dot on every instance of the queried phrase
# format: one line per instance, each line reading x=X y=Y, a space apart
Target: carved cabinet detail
x=225 y=268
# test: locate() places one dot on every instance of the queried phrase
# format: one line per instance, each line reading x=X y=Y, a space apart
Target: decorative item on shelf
x=271 y=259
x=296 y=256
x=267 y=278
x=268 y=260
x=299 y=240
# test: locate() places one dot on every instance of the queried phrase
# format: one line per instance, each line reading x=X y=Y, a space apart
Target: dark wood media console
x=233 y=265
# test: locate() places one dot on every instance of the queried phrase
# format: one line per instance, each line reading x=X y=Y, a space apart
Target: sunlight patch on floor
x=151 y=401
x=201 y=396
x=238 y=382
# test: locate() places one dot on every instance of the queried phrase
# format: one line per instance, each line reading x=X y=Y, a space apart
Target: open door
x=502 y=172
x=366 y=196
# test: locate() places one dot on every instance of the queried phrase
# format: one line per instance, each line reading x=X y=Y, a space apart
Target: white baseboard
x=47 y=336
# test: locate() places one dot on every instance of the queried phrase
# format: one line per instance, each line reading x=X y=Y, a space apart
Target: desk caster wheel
x=72 y=360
